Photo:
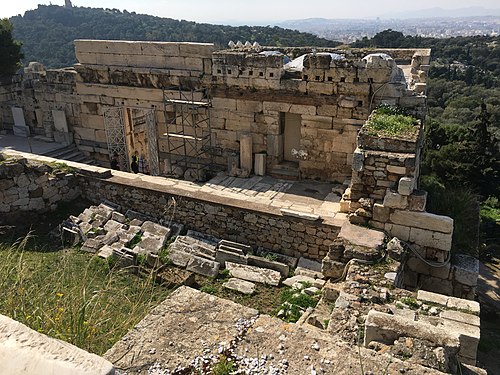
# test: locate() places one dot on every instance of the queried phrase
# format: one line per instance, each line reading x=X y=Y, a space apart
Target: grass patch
x=392 y=122
x=61 y=167
x=293 y=303
x=411 y=302
x=73 y=296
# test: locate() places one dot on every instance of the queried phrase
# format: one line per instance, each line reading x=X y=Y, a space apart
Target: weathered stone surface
x=395 y=200
x=222 y=256
x=309 y=264
x=242 y=286
x=299 y=214
x=170 y=334
x=257 y=261
x=119 y=217
x=150 y=243
x=91 y=245
x=361 y=236
x=465 y=269
x=203 y=266
x=251 y=273
x=238 y=247
x=461 y=317
x=319 y=283
x=179 y=258
x=405 y=186
x=156 y=229
x=437 y=240
x=380 y=213
x=463 y=305
x=25 y=351
x=423 y=220
x=425 y=296
x=105 y=252
x=387 y=328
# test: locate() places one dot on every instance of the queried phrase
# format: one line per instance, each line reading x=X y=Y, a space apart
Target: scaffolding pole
x=188 y=135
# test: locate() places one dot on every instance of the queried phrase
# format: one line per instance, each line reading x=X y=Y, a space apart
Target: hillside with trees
x=48 y=32
x=462 y=157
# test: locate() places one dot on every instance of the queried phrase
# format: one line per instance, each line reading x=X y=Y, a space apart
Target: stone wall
x=33 y=187
x=384 y=195
x=282 y=234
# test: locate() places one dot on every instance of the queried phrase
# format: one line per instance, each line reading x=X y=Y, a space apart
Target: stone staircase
x=70 y=153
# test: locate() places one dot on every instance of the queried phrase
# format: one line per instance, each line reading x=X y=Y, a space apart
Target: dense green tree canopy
x=10 y=50
x=48 y=32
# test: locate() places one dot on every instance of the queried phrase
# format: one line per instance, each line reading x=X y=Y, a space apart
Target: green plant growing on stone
x=224 y=367
x=272 y=257
x=61 y=167
x=293 y=303
x=141 y=260
x=164 y=256
x=410 y=302
x=134 y=241
x=224 y=274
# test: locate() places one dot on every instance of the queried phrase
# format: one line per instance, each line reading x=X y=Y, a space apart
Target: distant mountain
x=444 y=13
x=47 y=33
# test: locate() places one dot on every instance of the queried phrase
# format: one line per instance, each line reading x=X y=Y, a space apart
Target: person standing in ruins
x=115 y=164
x=134 y=165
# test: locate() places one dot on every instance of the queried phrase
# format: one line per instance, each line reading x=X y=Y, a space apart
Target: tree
x=10 y=50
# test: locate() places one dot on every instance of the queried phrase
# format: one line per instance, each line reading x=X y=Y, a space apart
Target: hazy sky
x=224 y=11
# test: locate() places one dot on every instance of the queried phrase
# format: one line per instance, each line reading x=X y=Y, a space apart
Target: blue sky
x=252 y=11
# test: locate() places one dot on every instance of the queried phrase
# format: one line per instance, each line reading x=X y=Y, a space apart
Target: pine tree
x=10 y=50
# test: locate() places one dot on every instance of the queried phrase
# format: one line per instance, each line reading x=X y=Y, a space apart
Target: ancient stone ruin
x=261 y=162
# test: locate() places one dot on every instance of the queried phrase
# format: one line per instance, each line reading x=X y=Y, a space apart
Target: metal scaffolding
x=115 y=135
x=188 y=135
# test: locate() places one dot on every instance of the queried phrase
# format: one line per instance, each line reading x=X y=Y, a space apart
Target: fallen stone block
x=119 y=217
x=332 y=268
x=309 y=273
x=251 y=273
x=203 y=266
x=207 y=238
x=150 y=243
x=70 y=236
x=309 y=264
x=386 y=328
x=25 y=351
x=91 y=245
x=435 y=298
x=282 y=258
x=179 y=258
x=230 y=249
x=122 y=259
x=173 y=276
x=461 y=317
x=468 y=335
x=105 y=252
x=112 y=226
x=465 y=305
x=235 y=245
x=318 y=283
x=131 y=214
x=242 y=286
x=196 y=247
x=222 y=256
x=156 y=229
x=262 y=262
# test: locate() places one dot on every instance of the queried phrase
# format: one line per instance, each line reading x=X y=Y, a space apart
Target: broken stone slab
x=386 y=328
x=464 y=305
x=361 y=252
x=309 y=273
x=203 y=266
x=251 y=273
x=104 y=210
x=332 y=268
x=105 y=252
x=309 y=264
x=122 y=259
x=239 y=247
x=230 y=249
x=179 y=258
x=301 y=215
x=344 y=300
x=311 y=291
x=222 y=256
x=131 y=214
x=318 y=283
x=112 y=226
x=468 y=335
x=461 y=317
x=150 y=243
x=25 y=351
x=242 y=286
x=194 y=246
x=91 y=245
x=207 y=238
x=70 y=236
x=282 y=258
x=119 y=217
x=156 y=229
x=361 y=236
x=170 y=334
x=262 y=262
